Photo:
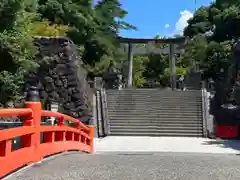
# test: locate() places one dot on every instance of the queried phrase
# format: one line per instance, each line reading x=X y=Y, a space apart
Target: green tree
x=16 y=49
x=210 y=32
x=138 y=69
x=93 y=27
x=45 y=28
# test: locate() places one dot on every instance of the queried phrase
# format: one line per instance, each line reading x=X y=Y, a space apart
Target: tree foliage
x=210 y=33
x=93 y=28
x=16 y=49
x=45 y=28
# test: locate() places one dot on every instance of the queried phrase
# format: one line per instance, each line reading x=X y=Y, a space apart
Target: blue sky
x=163 y=17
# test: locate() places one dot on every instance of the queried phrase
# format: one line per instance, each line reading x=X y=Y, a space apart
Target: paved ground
x=144 y=158
x=147 y=166
x=166 y=144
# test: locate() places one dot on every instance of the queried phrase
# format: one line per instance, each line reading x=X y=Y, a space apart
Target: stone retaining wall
x=62 y=78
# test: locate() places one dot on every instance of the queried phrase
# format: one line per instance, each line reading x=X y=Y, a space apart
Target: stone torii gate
x=174 y=46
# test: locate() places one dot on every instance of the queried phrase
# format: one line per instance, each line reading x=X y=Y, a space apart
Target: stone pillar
x=172 y=66
x=130 y=65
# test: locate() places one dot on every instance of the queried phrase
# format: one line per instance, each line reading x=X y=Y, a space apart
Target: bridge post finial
x=33 y=94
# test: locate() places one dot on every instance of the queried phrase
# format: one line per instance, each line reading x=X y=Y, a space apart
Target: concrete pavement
x=143 y=158
x=152 y=166
x=166 y=144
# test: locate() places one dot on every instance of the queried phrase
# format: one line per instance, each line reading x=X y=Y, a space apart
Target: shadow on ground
x=233 y=144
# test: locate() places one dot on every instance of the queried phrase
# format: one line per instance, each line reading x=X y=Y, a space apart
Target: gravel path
x=145 y=166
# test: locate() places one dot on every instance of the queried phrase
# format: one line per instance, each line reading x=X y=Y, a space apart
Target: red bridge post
x=33 y=102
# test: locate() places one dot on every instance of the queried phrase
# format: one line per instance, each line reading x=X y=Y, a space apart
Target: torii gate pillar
x=130 y=65
x=172 y=66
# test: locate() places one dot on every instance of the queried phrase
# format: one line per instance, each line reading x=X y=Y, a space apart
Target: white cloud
x=166 y=26
x=182 y=21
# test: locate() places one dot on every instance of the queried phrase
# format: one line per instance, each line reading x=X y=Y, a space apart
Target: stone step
x=139 y=91
x=152 y=107
x=153 y=96
x=155 y=99
x=173 y=134
x=155 y=102
x=149 y=112
x=159 y=123
x=157 y=130
x=149 y=106
x=160 y=91
x=170 y=93
x=152 y=104
x=155 y=118
x=157 y=105
x=129 y=110
x=154 y=111
x=171 y=119
x=145 y=89
x=162 y=108
x=126 y=110
x=154 y=128
x=159 y=94
x=170 y=113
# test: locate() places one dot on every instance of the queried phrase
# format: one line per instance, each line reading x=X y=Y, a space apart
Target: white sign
x=54 y=108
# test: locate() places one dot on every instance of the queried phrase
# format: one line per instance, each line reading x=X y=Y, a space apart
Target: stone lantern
x=111 y=77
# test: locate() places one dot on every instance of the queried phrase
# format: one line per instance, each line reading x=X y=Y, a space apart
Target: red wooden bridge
x=58 y=138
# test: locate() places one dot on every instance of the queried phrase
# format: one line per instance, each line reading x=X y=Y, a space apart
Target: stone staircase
x=154 y=112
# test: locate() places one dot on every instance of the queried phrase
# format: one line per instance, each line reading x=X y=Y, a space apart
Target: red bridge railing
x=58 y=138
